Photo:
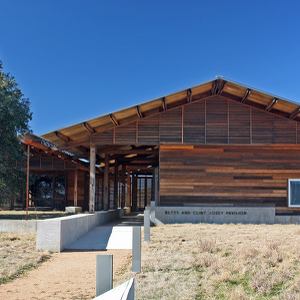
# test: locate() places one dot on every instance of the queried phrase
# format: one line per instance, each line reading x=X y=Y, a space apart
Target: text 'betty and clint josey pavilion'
x=219 y=151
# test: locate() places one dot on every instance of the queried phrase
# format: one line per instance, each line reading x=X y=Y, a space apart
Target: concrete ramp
x=115 y=235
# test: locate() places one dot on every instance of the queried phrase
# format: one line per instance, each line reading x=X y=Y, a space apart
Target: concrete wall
x=57 y=234
x=20 y=226
x=215 y=214
x=284 y=220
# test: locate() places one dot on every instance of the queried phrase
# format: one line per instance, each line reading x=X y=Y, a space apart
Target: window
x=294 y=192
x=49 y=191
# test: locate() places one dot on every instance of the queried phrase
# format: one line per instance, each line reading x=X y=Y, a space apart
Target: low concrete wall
x=57 y=234
x=215 y=214
x=284 y=220
x=20 y=226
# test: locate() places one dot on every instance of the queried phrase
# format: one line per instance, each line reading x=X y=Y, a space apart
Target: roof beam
x=246 y=96
x=294 y=114
x=214 y=87
x=222 y=87
x=138 y=111
x=189 y=96
x=271 y=104
x=113 y=119
x=62 y=137
x=164 y=104
x=88 y=127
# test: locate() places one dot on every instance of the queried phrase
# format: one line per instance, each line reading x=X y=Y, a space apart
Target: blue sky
x=78 y=59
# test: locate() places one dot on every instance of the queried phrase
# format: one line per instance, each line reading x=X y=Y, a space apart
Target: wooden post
x=75 y=187
x=27 y=182
x=106 y=182
x=128 y=189
x=123 y=185
x=146 y=192
x=116 y=183
x=93 y=150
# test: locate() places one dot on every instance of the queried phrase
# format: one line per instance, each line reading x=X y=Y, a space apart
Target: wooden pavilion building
x=218 y=143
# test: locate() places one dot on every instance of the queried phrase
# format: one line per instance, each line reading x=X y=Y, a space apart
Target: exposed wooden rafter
x=88 y=127
x=294 y=114
x=138 y=111
x=62 y=137
x=271 y=104
x=189 y=95
x=113 y=119
x=214 y=87
x=246 y=96
x=164 y=104
x=221 y=87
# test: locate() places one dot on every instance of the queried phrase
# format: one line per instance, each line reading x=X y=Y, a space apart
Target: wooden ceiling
x=76 y=138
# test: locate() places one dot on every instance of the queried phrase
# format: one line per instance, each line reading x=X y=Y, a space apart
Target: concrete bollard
x=104 y=273
x=152 y=212
x=147 y=226
x=136 y=249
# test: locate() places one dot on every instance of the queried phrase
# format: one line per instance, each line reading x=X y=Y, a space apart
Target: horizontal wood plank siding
x=126 y=134
x=148 y=130
x=239 y=123
x=215 y=120
x=226 y=175
x=171 y=126
x=194 y=123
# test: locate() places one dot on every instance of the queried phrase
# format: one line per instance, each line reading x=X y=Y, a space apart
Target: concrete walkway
x=113 y=235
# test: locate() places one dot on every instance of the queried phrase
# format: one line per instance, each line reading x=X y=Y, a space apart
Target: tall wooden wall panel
x=171 y=126
x=226 y=175
x=217 y=121
x=239 y=123
x=125 y=134
x=213 y=120
x=262 y=127
x=104 y=138
x=194 y=123
x=148 y=130
x=284 y=131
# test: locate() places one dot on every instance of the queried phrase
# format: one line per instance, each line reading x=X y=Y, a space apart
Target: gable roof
x=72 y=137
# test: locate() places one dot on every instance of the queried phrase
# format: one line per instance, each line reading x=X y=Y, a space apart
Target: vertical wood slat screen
x=215 y=120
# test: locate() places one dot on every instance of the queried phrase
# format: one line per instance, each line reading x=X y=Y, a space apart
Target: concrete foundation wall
x=57 y=234
x=20 y=226
x=215 y=214
x=284 y=220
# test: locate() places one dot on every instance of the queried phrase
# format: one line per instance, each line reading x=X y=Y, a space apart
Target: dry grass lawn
x=200 y=261
x=18 y=254
x=206 y=261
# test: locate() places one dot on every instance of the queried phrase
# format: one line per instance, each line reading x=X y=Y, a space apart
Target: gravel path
x=67 y=275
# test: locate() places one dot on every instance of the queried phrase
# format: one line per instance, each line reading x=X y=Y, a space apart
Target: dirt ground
x=66 y=275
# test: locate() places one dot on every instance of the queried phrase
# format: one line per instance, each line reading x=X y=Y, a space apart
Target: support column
x=123 y=185
x=116 y=183
x=106 y=182
x=128 y=189
x=93 y=150
x=75 y=187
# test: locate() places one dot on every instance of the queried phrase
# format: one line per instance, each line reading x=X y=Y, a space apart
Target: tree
x=14 y=121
